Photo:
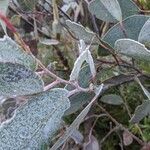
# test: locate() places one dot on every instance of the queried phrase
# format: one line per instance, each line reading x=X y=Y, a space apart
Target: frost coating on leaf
x=81 y=32
x=144 y=36
x=75 y=124
x=113 y=7
x=146 y=92
x=4 y=6
x=112 y=99
x=141 y=112
x=35 y=121
x=85 y=55
x=11 y=52
x=133 y=49
x=82 y=46
x=26 y=5
x=3 y=9
x=106 y=10
x=128 y=8
x=77 y=66
x=79 y=99
x=132 y=26
x=16 y=79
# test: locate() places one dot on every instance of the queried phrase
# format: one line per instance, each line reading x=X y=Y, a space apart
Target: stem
x=108 y=134
x=51 y=85
x=122 y=127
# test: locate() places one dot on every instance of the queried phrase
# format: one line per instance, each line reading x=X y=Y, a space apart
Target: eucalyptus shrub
x=39 y=114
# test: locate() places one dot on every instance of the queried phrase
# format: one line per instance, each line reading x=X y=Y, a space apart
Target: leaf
x=4 y=6
x=91 y=64
x=82 y=46
x=16 y=79
x=11 y=52
x=35 y=121
x=143 y=88
x=141 y=112
x=79 y=99
x=77 y=137
x=77 y=66
x=3 y=9
x=26 y=5
x=132 y=49
x=85 y=74
x=144 y=36
x=106 y=10
x=93 y=144
x=127 y=138
x=98 y=89
x=112 y=99
x=84 y=56
x=124 y=9
x=76 y=123
x=132 y=26
x=128 y=8
x=106 y=73
x=81 y=32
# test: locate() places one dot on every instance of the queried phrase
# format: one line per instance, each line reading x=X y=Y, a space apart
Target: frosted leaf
x=75 y=124
x=132 y=26
x=11 y=52
x=111 y=13
x=106 y=10
x=144 y=35
x=4 y=6
x=79 y=99
x=112 y=99
x=82 y=46
x=16 y=79
x=91 y=63
x=77 y=66
x=81 y=32
x=132 y=49
x=85 y=55
x=141 y=112
x=146 y=92
x=35 y=121
x=3 y=10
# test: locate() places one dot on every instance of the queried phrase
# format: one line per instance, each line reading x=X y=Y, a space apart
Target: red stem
x=7 y=22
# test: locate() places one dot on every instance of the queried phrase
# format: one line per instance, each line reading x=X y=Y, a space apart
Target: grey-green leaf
x=106 y=10
x=3 y=9
x=85 y=55
x=79 y=99
x=81 y=32
x=10 y=51
x=4 y=6
x=77 y=66
x=146 y=92
x=76 y=122
x=132 y=27
x=26 y=5
x=112 y=99
x=35 y=121
x=132 y=49
x=144 y=36
x=16 y=79
x=141 y=112
x=128 y=8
